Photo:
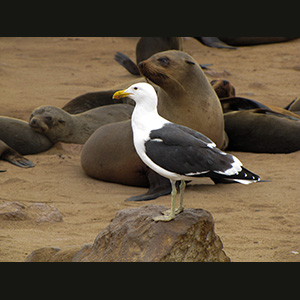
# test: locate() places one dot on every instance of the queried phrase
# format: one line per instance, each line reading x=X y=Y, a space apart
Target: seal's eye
x=190 y=62
x=164 y=60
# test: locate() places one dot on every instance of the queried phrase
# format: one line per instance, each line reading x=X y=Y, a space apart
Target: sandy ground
x=260 y=222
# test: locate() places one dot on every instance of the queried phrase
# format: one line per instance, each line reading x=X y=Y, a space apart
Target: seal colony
x=177 y=152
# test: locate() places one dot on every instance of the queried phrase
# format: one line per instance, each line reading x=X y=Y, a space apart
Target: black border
x=163 y=19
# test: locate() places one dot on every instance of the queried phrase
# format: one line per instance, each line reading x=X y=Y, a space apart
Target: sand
x=259 y=222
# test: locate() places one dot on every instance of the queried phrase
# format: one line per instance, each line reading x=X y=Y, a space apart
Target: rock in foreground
x=133 y=236
x=38 y=212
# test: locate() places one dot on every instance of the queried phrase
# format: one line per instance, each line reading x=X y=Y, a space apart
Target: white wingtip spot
x=211 y=145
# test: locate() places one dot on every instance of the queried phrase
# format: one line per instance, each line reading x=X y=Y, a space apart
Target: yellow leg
x=170 y=214
x=180 y=208
x=182 y=189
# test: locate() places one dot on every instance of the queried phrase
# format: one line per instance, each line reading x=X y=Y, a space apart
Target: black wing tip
x=248 y=175
x=245 y=176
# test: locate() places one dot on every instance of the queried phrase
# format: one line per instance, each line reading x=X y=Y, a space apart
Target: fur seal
x=106 y=159
x=239 y=104
x=145 y=48
x=226 y=93
x=92 y=100
x=251 y=41
x=60 y=126
x=185 y=97
x=232 y=42
x=223 y=88
x=148 y=46
x=262 y=131
x=214 y=42
x=17 y=139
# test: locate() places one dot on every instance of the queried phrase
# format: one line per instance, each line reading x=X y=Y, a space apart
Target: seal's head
x=223 y=88
x=50 y=121
x=169 y=70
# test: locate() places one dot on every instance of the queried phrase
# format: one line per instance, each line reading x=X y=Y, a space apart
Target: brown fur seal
x=250 y=41
x=60 y=126
x=145 y=48
x=185 y=94
x=223 y=88
x=262 y=131
x=17 y=139
x=214 y=42
x=226 y=93
x=239 y=104
x=229 y=42
x=108 y=156
x=92 y=100
x=185 y=97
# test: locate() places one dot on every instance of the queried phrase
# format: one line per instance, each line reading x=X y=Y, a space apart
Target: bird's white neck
x=146 y=118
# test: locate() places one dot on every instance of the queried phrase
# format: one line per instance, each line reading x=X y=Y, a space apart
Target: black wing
x=184 y=151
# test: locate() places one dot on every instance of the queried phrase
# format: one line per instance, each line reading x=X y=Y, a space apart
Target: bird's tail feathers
x=244 y=177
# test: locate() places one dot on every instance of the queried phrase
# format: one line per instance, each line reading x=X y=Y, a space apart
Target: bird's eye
x=135 y=88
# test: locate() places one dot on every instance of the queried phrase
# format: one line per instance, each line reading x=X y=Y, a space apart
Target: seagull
x=175 y=151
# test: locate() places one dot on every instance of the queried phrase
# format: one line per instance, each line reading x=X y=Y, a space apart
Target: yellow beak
x=120 y=94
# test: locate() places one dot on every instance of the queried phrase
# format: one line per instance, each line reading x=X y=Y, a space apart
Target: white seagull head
x=140 y=93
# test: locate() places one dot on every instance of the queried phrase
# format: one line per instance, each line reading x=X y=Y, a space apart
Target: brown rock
x=50 y=254
x=41 y=212
x=12 y=211
x=65 y=255
x=38 y=212
x=42 y=254
x=133 y=236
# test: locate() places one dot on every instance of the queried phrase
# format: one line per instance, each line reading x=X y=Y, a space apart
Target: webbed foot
x=177 y=211
x=165 y=218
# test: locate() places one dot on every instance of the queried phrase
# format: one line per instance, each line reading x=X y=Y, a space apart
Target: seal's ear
x=189 y=62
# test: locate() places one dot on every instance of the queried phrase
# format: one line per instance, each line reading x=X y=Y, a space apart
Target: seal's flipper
x=205 y=66
x=17 y=159
x=214 y=42
x=127 y=63
x=159 y=186
x=294 y=106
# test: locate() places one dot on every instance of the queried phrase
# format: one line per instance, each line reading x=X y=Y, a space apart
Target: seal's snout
x=38 y=125
x=32 y=122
